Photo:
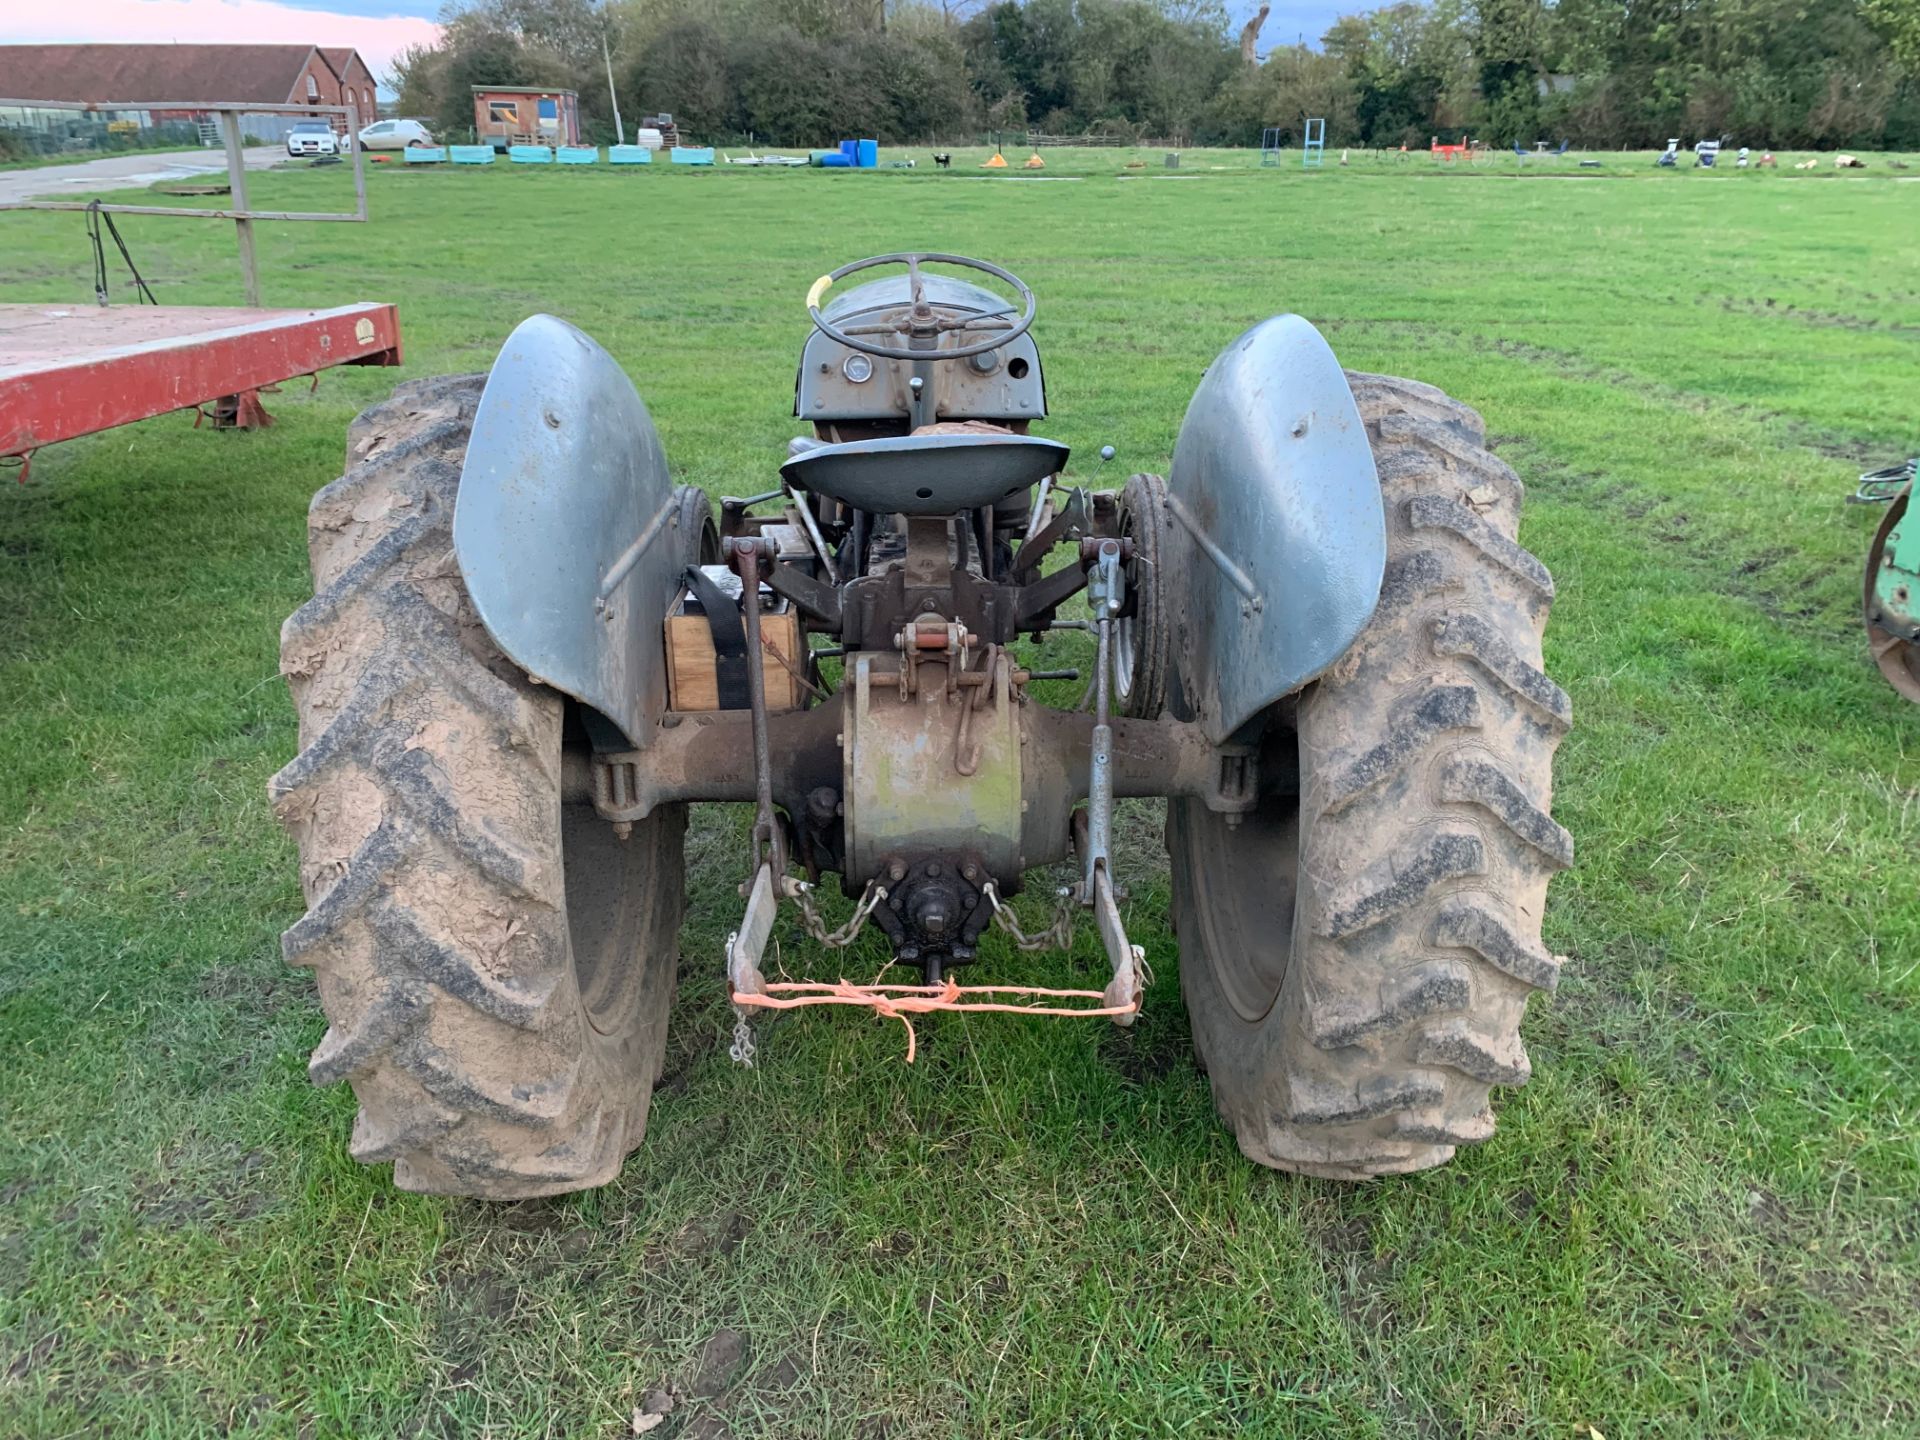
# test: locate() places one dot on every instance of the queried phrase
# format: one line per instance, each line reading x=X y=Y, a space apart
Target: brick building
x=210 y=74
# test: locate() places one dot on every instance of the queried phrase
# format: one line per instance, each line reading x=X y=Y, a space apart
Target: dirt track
x=114 y=172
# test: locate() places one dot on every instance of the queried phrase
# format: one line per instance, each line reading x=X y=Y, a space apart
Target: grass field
x=1701 y=1218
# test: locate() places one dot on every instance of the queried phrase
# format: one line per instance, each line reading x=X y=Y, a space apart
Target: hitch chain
x=801 y=893
x=1057 y=936
x=741 y=1051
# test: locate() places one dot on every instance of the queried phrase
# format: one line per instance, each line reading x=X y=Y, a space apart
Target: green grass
x=1700 y=1217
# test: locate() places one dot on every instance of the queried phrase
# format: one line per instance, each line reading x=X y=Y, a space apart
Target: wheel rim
x=1123 y=667
x=1126 y=633
x=1126 y=630
x=1133 y=670
x=1242 y=881
x=613 y=893
x=1897 y=657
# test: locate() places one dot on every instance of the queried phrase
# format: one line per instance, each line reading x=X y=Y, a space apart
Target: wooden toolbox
x=693 y=663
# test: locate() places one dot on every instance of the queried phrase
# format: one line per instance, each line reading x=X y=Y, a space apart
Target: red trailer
x=68 y=370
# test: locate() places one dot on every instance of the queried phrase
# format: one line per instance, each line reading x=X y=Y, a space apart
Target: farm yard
x=1701 y=1217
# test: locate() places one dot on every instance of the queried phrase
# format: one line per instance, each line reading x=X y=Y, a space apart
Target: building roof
x=522 y=90
x=210 y=74
x=338 y=57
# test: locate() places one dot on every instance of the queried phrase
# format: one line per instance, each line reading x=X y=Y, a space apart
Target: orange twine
x=898 y=1002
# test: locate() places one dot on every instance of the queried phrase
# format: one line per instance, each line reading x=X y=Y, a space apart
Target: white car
x=394 y=135
x=313 y=137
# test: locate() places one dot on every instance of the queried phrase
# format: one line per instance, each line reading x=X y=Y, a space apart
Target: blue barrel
x=851 y=149
x=867 y=154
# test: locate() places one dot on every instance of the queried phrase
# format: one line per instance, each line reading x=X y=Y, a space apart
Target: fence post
x=237 y=190
x=359 y=167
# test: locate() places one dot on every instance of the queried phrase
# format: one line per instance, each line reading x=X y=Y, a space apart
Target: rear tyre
x=1356 y=955
x=496 y=965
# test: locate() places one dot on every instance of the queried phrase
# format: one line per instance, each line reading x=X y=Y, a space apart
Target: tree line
x=1598 y=73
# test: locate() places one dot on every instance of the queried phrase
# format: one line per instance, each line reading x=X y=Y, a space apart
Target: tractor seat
x=925 y=474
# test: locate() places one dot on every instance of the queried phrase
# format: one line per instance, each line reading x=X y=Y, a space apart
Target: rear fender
x=566 y=525
x=1278 y=535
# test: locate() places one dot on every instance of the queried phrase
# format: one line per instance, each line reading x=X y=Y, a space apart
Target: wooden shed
x=506 y=115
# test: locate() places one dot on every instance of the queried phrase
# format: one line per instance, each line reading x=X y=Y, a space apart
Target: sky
x=380 y=29
x=1290 y=21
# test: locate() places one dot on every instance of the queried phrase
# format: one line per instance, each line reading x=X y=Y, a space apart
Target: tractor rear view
x=529 y=652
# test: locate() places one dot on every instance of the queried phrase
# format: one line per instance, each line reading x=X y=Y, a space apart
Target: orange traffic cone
x=997 y=162
x=1034 y=162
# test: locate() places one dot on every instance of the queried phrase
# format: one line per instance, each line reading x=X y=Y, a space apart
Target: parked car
x=394 y=135
x=314 y=137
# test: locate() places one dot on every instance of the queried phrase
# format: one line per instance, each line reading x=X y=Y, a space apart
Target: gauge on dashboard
x=857 y=368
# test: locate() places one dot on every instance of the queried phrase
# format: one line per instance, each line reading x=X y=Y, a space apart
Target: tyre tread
x=1426 y=841
x=436 y=924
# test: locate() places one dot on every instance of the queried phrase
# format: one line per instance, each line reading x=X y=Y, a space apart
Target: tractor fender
x=1277 y=533
x=565 y=525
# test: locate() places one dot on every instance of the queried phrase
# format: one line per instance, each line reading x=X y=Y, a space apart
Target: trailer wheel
x=496 y=965
x=1897 y=656
x=1357 y=954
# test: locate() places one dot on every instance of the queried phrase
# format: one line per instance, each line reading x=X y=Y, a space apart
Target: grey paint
x=926 y=474
x=1277 y=536
x=823 y=394
x=564 y=524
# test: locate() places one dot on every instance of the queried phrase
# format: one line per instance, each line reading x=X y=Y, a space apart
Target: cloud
x=378 y=38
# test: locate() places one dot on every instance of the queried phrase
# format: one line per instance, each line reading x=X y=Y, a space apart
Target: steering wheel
x=920 y=320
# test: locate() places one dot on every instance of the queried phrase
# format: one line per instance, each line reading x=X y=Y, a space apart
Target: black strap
x=729 y=639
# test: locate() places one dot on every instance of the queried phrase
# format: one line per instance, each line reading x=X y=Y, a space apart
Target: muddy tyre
x=496 y=965
x=1356 y=956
